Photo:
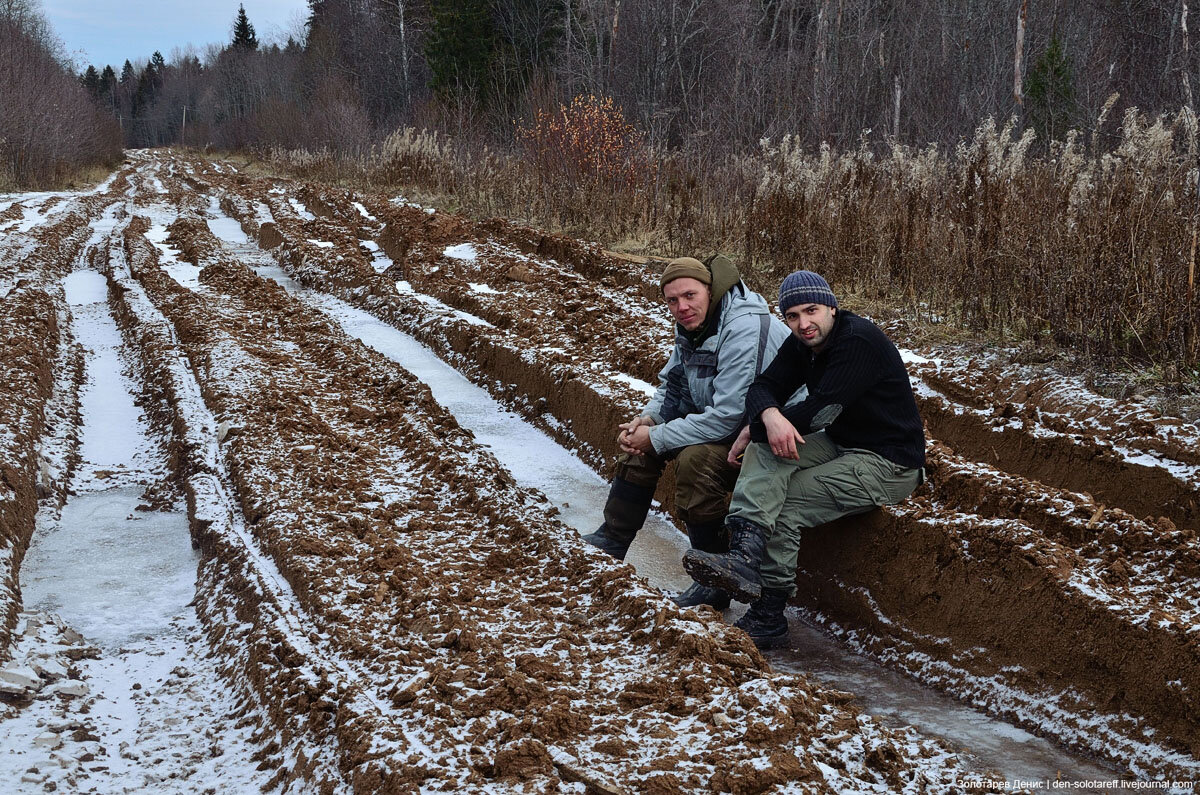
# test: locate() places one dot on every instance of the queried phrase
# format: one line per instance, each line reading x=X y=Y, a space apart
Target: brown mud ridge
x=401 y=617
x=37 y=349
x=1047 y=572
x=398 y=615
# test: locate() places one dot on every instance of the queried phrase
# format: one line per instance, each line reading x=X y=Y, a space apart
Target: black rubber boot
x=624 y=514
x=764 y=622
x=707 y=538
x=735 y=572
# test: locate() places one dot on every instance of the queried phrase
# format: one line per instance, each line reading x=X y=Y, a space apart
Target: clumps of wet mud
x=1054 y=431
x=1046 y=605
x=525 y=305
x=452 y=611
x=1070 y=533
x=29 y=325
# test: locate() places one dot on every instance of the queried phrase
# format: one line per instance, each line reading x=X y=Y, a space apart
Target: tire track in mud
x=31 y=327
x=501 y=622
x=83 y=703
x=1069 y=590
x=37 y=346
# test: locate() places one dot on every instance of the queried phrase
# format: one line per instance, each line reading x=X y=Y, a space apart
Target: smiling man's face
x=811 y=323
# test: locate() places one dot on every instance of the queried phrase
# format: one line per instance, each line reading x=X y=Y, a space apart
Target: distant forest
x=710 y=75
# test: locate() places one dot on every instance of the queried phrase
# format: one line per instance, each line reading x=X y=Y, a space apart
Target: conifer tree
x=108 y=85
x=461 y=46
x=91 y=82
x=1051 y=92
x=243 y=32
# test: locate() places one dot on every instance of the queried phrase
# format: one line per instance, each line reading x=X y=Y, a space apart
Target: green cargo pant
x=703 y=479
x=784 y=496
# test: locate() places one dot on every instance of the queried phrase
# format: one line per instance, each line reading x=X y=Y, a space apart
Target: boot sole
x=714 y=577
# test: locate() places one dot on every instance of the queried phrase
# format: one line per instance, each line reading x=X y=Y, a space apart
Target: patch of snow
x=636 y=383
x=224 y=227
x=404 y=288
x=463 y=251
x=85 y=287
x=486 y=289
x=379 y=261
x=262 y=213
x=320 y=243
x=300 y=209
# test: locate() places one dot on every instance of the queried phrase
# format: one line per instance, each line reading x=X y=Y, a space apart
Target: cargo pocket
x=848 y=490
x=866 y=482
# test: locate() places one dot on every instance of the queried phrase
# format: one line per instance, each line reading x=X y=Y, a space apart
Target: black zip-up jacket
x=858 y=392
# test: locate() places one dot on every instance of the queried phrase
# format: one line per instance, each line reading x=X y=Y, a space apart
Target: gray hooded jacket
x=701 y=398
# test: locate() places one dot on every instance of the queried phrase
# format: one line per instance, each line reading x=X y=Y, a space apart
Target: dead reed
x=1088 y=247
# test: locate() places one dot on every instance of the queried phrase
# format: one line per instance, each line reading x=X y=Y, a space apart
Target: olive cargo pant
x=784 y=496
x=703 y=479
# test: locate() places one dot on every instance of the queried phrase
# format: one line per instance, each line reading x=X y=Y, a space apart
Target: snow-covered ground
x=130 y=698
x=538 y=462
x=143 y=708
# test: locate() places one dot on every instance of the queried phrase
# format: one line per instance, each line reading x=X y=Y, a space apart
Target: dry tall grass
x=1091 y=247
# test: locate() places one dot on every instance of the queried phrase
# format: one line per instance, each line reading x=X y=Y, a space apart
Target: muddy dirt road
x=380 y=605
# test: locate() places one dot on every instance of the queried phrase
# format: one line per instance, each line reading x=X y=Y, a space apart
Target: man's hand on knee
x=781 y=434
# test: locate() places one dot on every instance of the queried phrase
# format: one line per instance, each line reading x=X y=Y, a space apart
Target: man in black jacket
x=854 y=443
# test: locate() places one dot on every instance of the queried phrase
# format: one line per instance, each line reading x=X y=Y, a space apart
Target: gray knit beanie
x=805 y=287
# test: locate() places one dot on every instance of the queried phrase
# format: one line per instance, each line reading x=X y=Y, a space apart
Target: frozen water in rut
x=156 y=718
x=537 y=461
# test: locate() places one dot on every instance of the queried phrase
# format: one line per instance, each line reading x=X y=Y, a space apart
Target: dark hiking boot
x=764 y=622
x=735 y=572
x=624 y=514
x=698 y=594
x=613 y=541
x=709 y=537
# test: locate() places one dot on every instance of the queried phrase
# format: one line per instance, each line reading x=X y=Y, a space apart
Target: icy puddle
x=537 y=461
x=146 y=711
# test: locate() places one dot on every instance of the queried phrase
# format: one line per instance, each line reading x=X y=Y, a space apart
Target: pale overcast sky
x=101 y=32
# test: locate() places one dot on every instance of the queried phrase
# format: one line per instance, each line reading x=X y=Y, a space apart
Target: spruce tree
x=1050 y=88
x=243 y=32
x=91 y=82
x=108 y=85
x=461 y=46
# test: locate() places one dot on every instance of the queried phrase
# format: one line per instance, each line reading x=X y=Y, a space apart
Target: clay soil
x=401 y=616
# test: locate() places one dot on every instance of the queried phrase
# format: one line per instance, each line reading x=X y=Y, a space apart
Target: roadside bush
x=50 y=129
x=586 y=163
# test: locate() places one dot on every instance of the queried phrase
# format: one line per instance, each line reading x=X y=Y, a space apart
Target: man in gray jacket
x=724 y=335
